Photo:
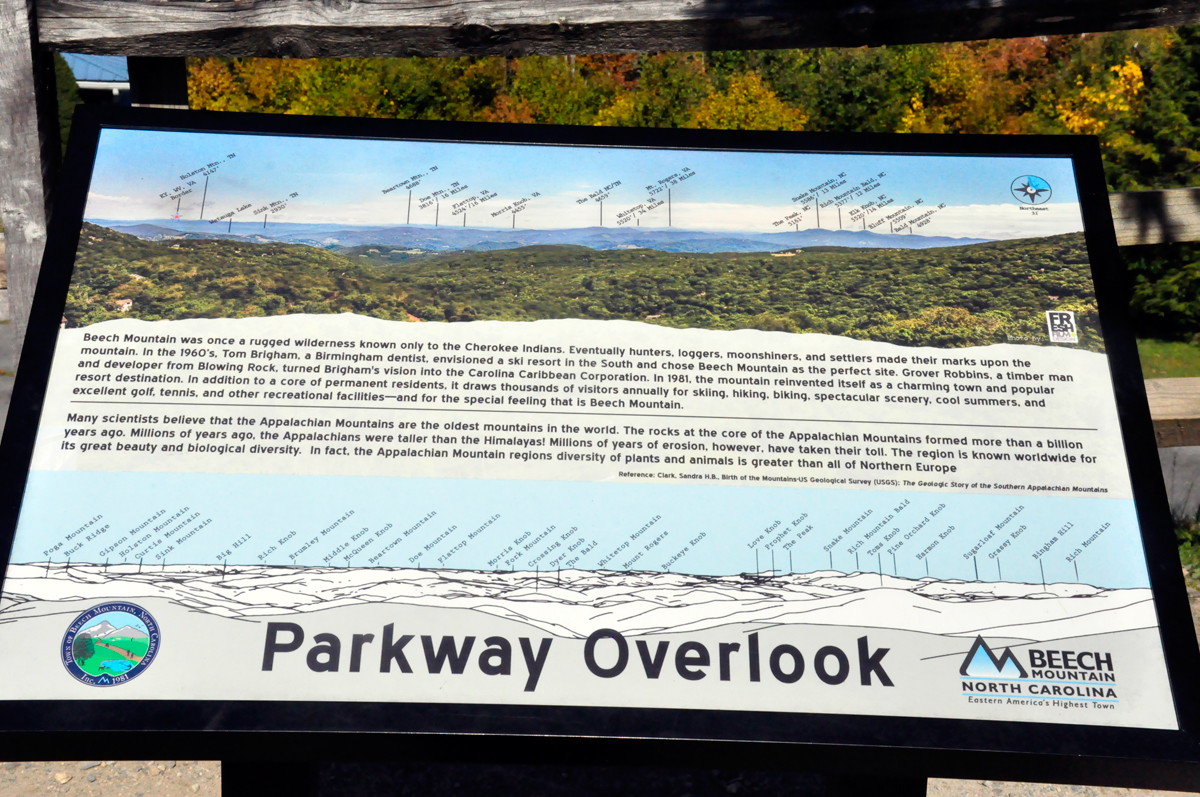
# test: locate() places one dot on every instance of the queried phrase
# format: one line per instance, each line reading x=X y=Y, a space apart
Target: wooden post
x=29 y=154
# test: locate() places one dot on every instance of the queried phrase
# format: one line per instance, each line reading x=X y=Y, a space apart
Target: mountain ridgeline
x=948 y=296
x=449 y=238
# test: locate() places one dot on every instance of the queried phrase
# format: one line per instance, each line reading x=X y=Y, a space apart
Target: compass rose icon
x=1031 y=190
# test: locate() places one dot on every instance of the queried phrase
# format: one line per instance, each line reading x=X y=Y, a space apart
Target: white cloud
x=1001 y=221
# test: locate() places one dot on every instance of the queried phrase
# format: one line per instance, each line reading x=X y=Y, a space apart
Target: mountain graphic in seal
x=981 y=662
x=98 y=631
x=126 y=632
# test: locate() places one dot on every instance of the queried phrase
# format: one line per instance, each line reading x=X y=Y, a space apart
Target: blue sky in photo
x=342 y=181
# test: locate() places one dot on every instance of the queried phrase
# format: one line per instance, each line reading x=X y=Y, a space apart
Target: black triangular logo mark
x=979 y=653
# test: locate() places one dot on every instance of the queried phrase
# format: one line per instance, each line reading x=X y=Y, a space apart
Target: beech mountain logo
x=981 y=662
x=1067 y=679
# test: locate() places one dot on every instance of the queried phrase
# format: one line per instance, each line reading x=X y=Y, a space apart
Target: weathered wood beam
x=1156 y=217
x=1177 y=432
x=343 y=28
x=1175 y=410
x=29 y=154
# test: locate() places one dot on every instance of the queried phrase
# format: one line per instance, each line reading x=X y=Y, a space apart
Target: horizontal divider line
x=600 y=414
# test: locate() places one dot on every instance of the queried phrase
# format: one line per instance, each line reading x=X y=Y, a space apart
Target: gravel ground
x=112 y=778
x=996 y=788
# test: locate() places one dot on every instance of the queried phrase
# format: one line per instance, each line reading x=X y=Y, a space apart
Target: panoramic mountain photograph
x=919 y=251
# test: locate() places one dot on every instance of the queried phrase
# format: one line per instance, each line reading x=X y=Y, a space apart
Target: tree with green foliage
x=83 y=647
x=1167 y=123
x=1165 y=300
x=950 y=296
x=68 y=98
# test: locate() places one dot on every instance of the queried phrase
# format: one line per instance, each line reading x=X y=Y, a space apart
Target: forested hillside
x=953 y=296
x=216 y=279
x=1138 y=91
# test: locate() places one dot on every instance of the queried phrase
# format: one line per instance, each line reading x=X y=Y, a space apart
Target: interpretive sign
x=737 y=425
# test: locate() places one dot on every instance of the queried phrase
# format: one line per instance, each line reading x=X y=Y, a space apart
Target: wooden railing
x=1155 y=217
x=337 y=28
x=1175 y=409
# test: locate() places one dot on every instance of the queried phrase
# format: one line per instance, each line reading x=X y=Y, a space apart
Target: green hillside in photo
x=109 y=655
x=135 y=646
x=949 y=297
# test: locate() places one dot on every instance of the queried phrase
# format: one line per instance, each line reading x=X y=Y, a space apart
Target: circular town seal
x=110 y=644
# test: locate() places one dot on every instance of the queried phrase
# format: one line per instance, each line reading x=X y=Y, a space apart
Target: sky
x=149 y=175
x=118 y=620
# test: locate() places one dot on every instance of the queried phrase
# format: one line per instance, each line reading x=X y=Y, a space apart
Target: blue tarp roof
x=105 y=68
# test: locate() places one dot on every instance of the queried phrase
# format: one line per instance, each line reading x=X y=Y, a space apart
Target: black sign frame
x=891 y=745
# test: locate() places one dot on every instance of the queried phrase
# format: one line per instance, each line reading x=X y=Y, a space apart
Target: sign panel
x=450 y=421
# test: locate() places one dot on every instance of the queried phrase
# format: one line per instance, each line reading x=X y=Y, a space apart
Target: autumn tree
x=1138 y=91
x=747 y=104
x=665 y=93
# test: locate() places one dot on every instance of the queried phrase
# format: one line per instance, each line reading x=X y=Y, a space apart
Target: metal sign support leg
x=267 y=778
x=844 y=785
